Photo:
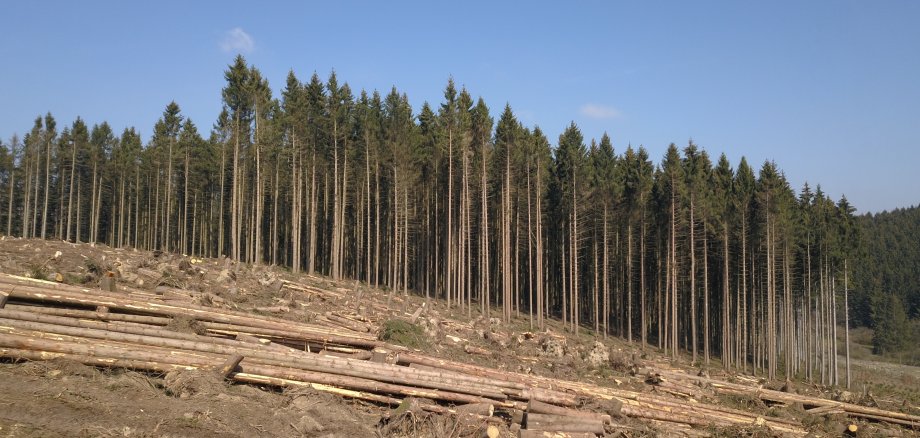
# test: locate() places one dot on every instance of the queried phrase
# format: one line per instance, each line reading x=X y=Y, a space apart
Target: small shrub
x=402 y=332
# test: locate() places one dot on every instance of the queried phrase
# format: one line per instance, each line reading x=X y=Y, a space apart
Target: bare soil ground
x=61 y=398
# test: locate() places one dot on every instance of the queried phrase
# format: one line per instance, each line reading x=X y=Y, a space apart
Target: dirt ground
x=65 y=399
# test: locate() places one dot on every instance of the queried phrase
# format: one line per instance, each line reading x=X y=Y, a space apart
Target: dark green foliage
x=402 y=332
x=892 y=329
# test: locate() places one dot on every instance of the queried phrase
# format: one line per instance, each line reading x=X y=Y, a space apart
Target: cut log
x=107 y=283
x=149 y=273
x=483 y=409
x=468 y=392
x=538 y=407
x=91 y=314
x=229 y=366
x=274 y=309
x=471 y=349
x=347 y=323
x=524 y=433
x=560 y=423
x=417 y=313
x=3 y=299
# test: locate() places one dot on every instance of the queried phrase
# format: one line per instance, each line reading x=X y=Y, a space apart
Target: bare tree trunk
x=184 y=236
x=9 y=205
x=234 y=198
x=311 y=261
x=529 y=258
x=575 y=275
x=673 y=250
x=597 y=323
x=606 y=285
x=377 y=218
x=705 y=295
x=541 y=302
x=642 y=291
x=450 y=214
x=727 y=354
x=26 y=202
x=629 y=282
x=367 y=176
x=73 y=162
x=846 y=317
x=693 y=322
x=47 y=187
x=334 y=253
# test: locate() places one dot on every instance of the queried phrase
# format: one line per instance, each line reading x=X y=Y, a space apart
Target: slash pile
x=126 y=328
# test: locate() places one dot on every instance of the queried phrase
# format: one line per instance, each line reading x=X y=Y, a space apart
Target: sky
x=829 y=90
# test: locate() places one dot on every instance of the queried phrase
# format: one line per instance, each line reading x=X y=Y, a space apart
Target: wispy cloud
x=596 y=111
x=236 y=40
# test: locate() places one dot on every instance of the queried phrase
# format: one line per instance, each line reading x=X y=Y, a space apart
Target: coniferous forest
x=689 y=253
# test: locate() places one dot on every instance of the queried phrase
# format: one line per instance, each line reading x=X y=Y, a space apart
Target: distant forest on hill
x=888 y=283
x=689 y=253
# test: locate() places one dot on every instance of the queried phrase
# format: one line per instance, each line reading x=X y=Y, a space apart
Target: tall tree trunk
x=541 y=301
x=673 y=251
x=727 y=354
x=575 y=271
x=73 y=163
x=606 y=285
x=450 y=214
x=9 y=205
x=693 y=322
x=629 y=282
x=311 y=261
x=47 y=187
x=846 y=317
x=705 y=295
x=529 y=258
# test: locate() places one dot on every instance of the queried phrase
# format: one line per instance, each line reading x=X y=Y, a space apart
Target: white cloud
x=596 y=111
x=236 y=40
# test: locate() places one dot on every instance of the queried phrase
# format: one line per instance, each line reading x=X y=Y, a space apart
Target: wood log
x=107 y=283
x=274 y=309
x=482 y=409
x=560 y=423
x=504 y=379
x=139 y=365
x=4 y=297
x=121 y=328
x=471 y=349
x=417 y=313
x=91 y=314
x=722 y=387
x=229 y=366
x=348 y=323
x=323 y=338
x=149 y=273
x=231 y=318
x=184 y=358
x=517 y=416
x=346 y=367
x=42 y=290
x=538 y=407
x=851 y=430
x=525 y=433
x=491 y=431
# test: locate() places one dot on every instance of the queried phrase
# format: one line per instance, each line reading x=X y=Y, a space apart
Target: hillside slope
x=654 y=395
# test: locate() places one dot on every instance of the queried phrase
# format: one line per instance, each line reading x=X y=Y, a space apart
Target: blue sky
x=830 y=90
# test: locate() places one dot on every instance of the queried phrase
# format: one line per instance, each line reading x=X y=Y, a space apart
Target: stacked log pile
x=812 y=405
x=340 y=354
